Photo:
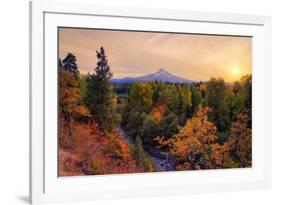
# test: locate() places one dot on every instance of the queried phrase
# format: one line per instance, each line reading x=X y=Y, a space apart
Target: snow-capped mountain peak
x=161 y=75
x=161 y=71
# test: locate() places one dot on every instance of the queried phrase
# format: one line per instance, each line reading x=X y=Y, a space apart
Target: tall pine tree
x=99 y=96
x=69 y=63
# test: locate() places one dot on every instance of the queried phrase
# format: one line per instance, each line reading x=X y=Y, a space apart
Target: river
x=160 y=160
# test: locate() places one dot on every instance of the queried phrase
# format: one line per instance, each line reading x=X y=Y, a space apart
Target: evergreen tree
x=184 y=104
x=99 y=97
x=168 y=126
x=59 y=63
x=247 y=94
x=69 y=64
x=83 y=80
x=235 y=102
x=149 y=128
x=216 y=99
x=186 y=95
x=141 y=159
x=103 y=69
x=196 y=98
x=247 y=89
x=138 y=151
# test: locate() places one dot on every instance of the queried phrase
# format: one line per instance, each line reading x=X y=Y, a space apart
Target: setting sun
x=235 y=71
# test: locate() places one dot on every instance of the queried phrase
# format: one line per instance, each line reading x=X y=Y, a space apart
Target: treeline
x=159 y=109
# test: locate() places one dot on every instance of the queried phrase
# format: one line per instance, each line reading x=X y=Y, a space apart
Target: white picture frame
x=46 y=187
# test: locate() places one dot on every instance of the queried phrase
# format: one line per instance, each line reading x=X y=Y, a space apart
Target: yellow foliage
x=69 y=95
x=241 y=140
x=158 y=112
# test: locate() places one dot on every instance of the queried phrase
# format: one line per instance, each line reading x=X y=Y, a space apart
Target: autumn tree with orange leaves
x=241 y=140
x=192 y=146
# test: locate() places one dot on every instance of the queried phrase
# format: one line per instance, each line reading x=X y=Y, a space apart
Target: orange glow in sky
x=131 y=54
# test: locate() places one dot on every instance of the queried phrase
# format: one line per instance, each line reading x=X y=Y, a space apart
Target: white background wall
x=14 y=100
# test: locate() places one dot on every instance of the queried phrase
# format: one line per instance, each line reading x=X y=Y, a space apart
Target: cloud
x=196 y=57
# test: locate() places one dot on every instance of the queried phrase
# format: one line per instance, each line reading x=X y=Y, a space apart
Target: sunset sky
x=131 y=54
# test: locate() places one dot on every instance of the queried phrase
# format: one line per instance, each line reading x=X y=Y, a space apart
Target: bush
x=116 y=148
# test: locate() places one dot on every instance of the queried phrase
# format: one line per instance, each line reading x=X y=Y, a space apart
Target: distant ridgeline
x=160 y=75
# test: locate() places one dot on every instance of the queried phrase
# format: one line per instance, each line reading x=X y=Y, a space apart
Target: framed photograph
x=129 y=102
